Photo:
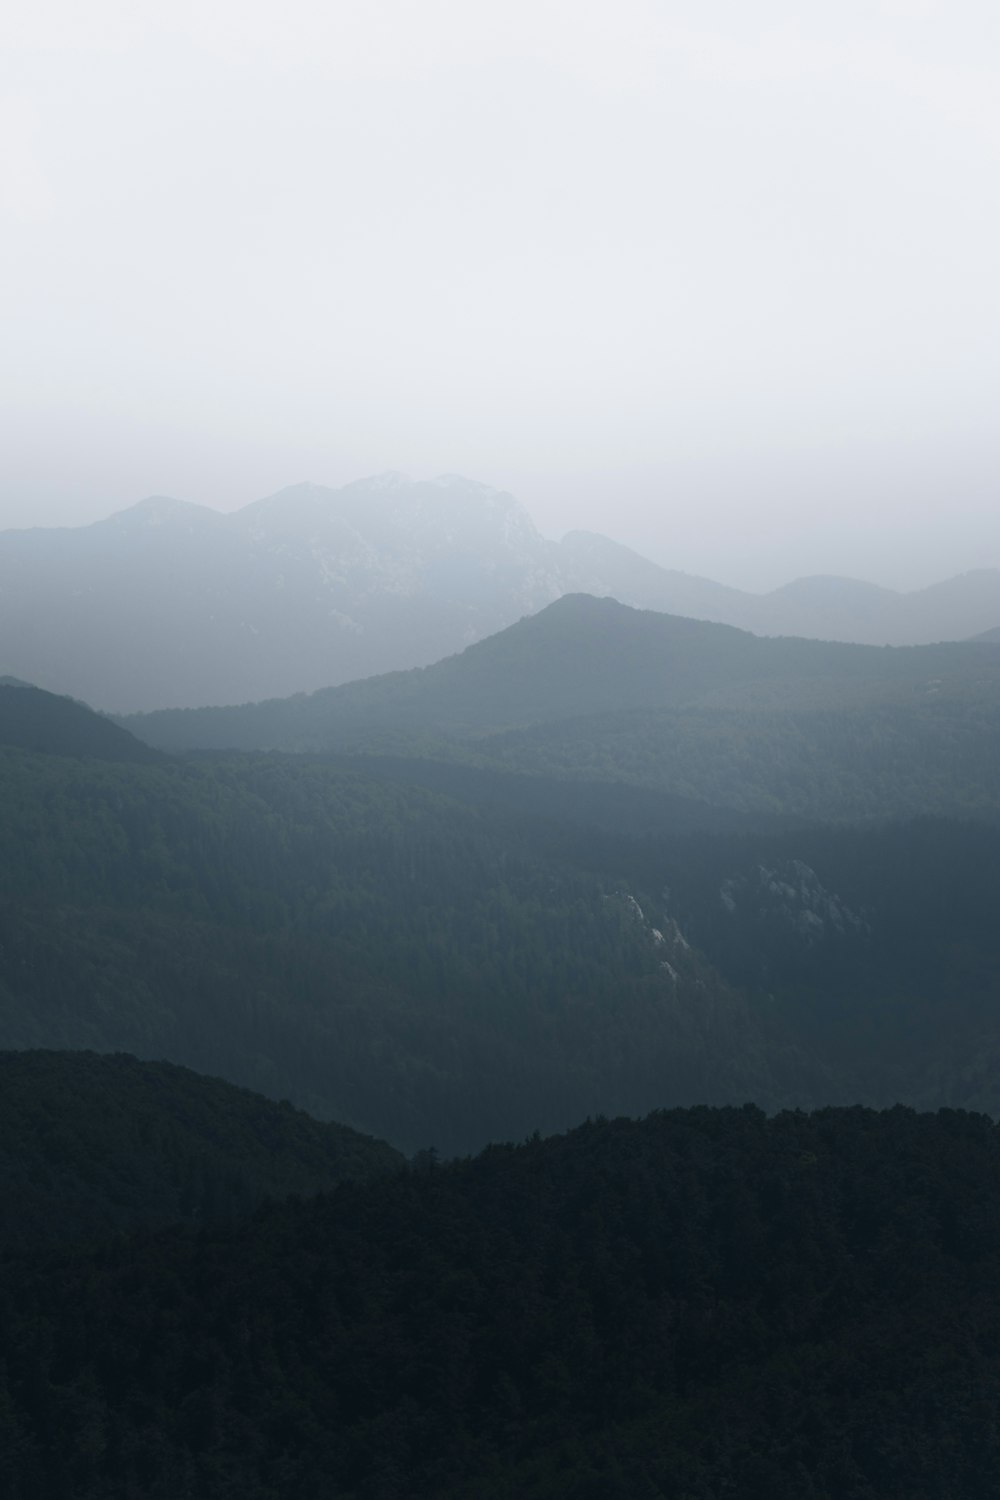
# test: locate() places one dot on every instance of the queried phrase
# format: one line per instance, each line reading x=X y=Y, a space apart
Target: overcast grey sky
x=718 y=279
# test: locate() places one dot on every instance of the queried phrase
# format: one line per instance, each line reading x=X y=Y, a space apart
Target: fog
x=717 y=280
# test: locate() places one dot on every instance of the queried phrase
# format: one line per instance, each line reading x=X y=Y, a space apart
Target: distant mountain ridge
x=594 y=690
x=171 y=604
x=581 y=657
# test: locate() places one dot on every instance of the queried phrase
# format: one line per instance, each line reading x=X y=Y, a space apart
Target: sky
x=717 y=279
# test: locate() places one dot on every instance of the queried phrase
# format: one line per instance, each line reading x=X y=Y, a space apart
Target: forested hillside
x=702 y=1304
x=384 y=956
x=449 y=969
x=92 y=1145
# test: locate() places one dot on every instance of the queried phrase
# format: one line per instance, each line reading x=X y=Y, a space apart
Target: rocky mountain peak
x=162 y=510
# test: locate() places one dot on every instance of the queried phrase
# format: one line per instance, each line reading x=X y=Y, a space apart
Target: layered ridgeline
x=487 y=953
x=91 y=1146
x=591 y=689
x=385 y=956
x=170 y=604
x=699 y=1304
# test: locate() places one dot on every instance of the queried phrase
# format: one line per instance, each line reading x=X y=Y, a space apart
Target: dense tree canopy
x=703 y=1304
x=93 y=1144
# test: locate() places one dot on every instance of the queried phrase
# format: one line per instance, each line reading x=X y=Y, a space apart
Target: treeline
x=702 y=1304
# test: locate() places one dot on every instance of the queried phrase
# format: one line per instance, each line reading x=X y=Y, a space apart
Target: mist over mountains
x=488 y=1012
x=604 y=861
x=169 y=604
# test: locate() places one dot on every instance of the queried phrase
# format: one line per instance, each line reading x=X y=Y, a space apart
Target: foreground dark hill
x=701 y=1304
x=92 y=1145
x=594 y=690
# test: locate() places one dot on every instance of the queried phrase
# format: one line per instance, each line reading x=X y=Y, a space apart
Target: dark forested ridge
x=700 y=1305
x=90 y=1145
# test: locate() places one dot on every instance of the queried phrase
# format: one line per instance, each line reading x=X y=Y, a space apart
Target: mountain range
x=170 y=604
x=503 y=894
x=594 y=860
